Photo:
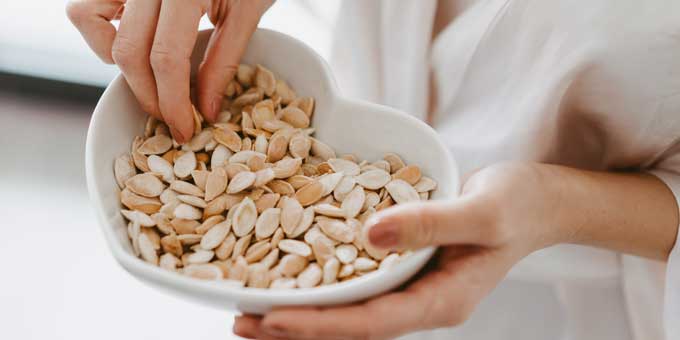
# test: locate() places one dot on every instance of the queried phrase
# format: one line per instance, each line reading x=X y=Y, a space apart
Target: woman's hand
x=153 y=47
x=504 y=213
x=499 y=219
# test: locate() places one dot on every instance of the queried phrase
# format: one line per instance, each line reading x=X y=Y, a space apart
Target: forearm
x=633 y=213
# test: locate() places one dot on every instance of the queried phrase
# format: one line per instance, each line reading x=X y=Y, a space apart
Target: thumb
x=419 y=225
x=225 y=48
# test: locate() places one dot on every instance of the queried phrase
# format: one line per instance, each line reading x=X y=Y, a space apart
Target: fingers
x=131 y=50
x=384 y=317
x=247 y=326
x=91 y=18
x=381 y=318
x=413 y=226
x=227 y=45
x=170 y=61
x=444 y=297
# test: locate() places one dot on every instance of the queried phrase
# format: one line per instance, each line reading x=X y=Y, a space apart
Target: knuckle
x=76 y=11
x=163 y=62
x=126 y=53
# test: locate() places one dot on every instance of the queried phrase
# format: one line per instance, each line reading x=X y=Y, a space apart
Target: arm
x=504 y=213
x=627 y=212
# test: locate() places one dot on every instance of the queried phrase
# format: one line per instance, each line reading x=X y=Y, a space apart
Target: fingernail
x=215 y=106
x=275 y=331
x=384 y=235
x=177 y=135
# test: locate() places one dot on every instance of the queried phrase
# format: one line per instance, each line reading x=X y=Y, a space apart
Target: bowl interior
x=365 y=129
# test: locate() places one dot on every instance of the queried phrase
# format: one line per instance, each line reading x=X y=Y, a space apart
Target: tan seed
x=342 y=165
x=133 y=201
x=169 y=262
x=330 y=182
x=257 y=251
x=277 y=237
x=239 y=270
x=299 y=146
x=205 y=271
x=146 y=249
x=266 y=201
x=188 y=212
x=245 y=217
x=402 y=192
x=295 y=247
x=310 y=193
x=241 y=181
x=258 y=276
x=264 y=176
x=215 y=236
x=241 y=246
x=216 y=183
x=346 y=253
x=354 y=202
x=265 y=80
x=283 y=283
x=146 y=185
x=162 y=167
x=245 y=75
x=156 y=145
x=267 y=223
x=346 y=270
x=323 y=249
x=310 y=277
x=220 y=156
x=330 y=271
x=271 y=259
x=295 y=117
x=184 y=226
x=185 y=164
x=304 y=224
x=322 y=150
x=373 y=179
x=285 y=92
x=410 y=173
x=281 y=187
x=364 y=264
x=329 y=210
x=123 y=169
x=228 y=138
x=138 y=217
x=291 y=213
x=291 y=265
x=208 y=223
x=343 y=188
x=336 y=229
x=171 y=245
x=224 y=250
x=193 y=201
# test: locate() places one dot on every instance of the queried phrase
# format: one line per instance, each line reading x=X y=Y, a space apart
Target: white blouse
x=592 y=84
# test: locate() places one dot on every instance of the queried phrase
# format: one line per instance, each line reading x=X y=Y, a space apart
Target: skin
x=505 y=212
x=153 y=45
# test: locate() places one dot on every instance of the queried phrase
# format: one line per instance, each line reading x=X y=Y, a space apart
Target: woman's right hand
x=153 y=46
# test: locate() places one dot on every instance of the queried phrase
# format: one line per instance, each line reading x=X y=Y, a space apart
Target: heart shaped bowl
x=349 y=126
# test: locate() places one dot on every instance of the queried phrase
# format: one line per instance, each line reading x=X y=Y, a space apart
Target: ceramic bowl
x=350 y=126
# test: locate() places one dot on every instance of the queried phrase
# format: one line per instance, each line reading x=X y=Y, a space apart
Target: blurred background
x=58 y=279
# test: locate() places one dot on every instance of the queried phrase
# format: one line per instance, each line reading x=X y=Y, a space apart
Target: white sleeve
x=672 y=287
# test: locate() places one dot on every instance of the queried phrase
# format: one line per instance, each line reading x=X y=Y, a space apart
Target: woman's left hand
x=503 y=214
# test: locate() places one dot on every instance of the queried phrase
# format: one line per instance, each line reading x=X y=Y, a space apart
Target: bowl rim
x=341 y=290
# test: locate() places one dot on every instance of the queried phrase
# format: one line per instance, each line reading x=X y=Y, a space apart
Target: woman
x=565 y=115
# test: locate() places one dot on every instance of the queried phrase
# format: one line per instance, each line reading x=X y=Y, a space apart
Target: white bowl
x=365 y=129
